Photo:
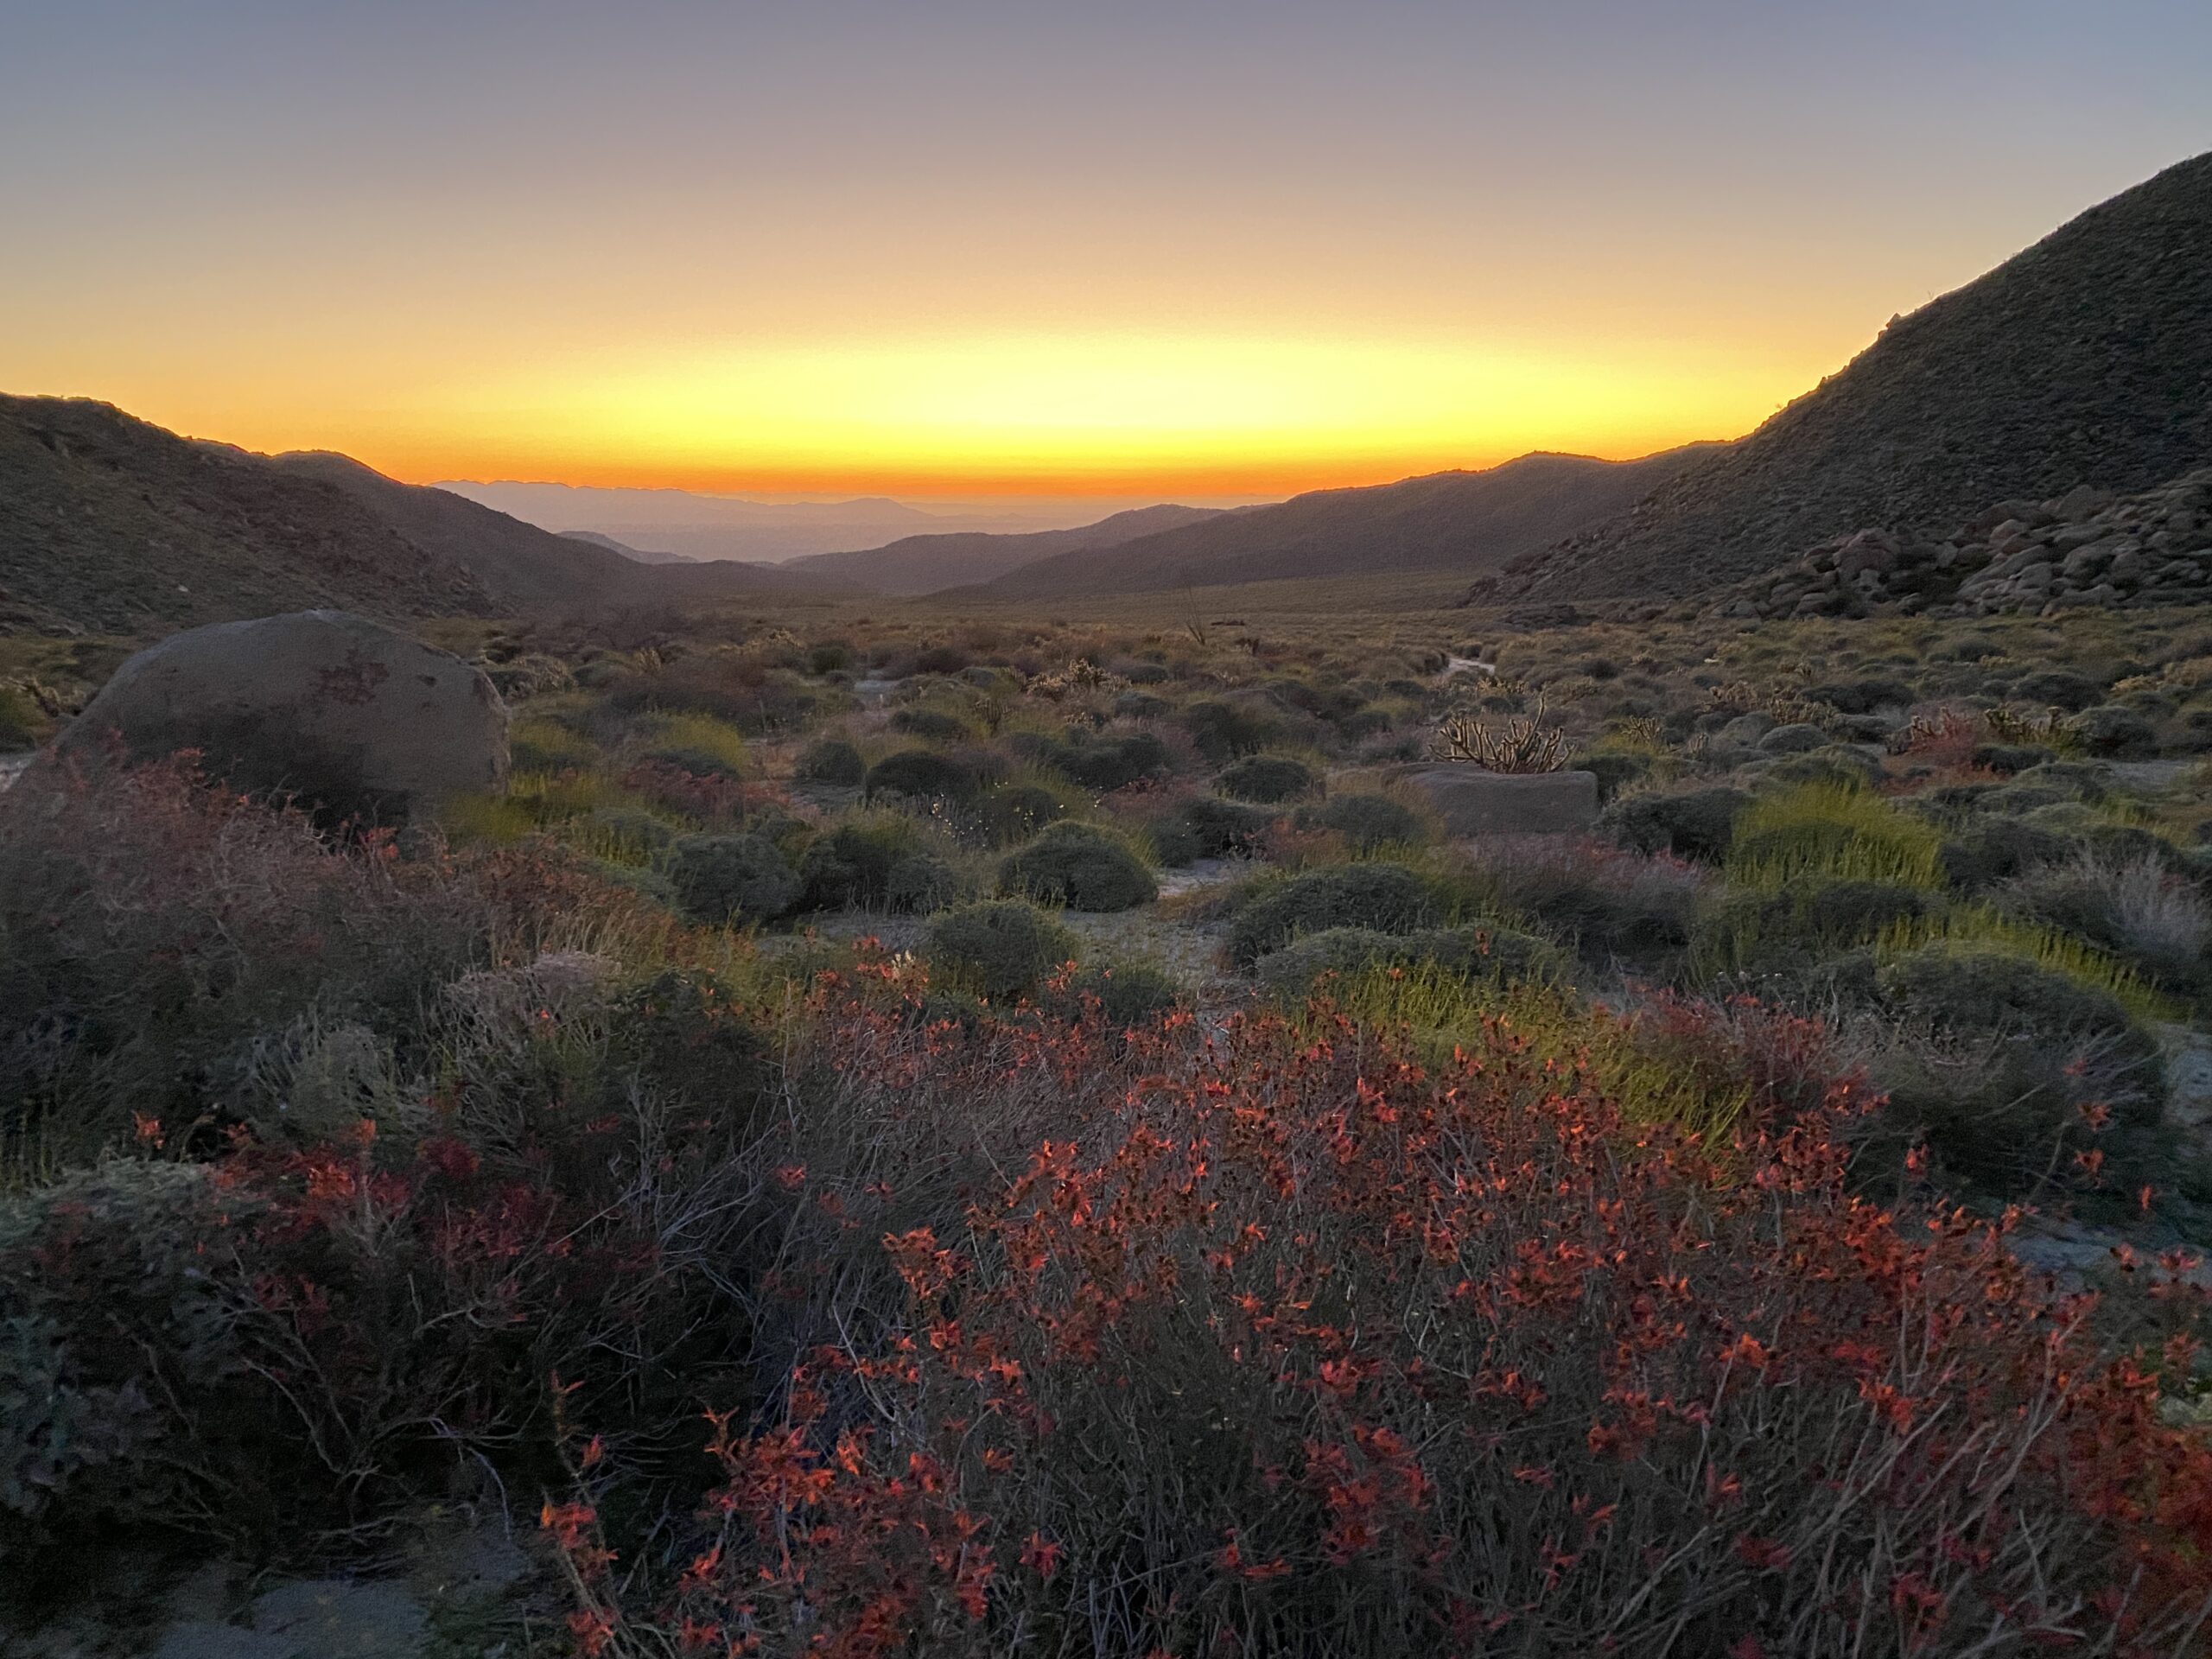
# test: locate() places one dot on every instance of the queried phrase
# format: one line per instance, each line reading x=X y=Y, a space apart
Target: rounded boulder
x=350 y=718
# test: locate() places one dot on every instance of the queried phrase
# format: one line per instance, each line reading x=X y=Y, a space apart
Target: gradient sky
x=1202 y=249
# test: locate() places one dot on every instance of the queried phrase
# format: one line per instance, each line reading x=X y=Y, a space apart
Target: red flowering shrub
x=1274 y=1346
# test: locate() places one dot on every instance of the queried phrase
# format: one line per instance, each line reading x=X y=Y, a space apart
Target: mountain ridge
x=2084 y=358
x=915 y=565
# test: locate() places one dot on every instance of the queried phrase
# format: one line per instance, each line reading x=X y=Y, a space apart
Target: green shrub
x=1994 y=849
x=701 y=744
x=1697 y=823
x=1862 y=696
x=875 y=861
x=1207 y=827
x=2114 y=732
x=931 y=725
x=830 y=760
x=1268 y=780
x=1489 y=951
x=2006 y=759
x=1140 y=705
x=1803 y=921
x=1222 y=730
x=542 y=744
x=921 y=775
x=1129 y=993
x=830 y=657
x=623 y=835
x=1973 y=988
x=1388 y=898
x=1820 y=831
x=1366 y=821
x=1792 y=740
x=1015 y=812
x=1000 y=948
x=722 y=879
x=1080 y=866
x=2056 y=688
x=1108 y=762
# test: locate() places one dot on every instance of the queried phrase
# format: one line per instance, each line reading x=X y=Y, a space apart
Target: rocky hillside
x=110 y=524
x=2084 y=548
x=925 y=564
x=1471 y=521
x=2087 y=359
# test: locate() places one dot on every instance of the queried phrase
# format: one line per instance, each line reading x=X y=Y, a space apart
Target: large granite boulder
x=347 y=716
x=1473 y=802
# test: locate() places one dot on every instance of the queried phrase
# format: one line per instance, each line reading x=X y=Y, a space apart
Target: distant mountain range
x=2086 y=359
x=926 y=564
x=111 y=524
x=640 y=554
x=1468 y=521
x=690 y=525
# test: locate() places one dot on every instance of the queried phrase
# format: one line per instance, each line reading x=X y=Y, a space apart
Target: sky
x=1210 y=249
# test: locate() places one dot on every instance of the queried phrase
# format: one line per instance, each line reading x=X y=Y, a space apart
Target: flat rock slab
x=334 y=1618
x=201 y=1639
x=1474 y=803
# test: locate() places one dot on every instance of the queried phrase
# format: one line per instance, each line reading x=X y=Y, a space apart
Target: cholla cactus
x=1081 y=675
x=1516 y=743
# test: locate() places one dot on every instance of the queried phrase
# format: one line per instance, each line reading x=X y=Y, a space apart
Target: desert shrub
x=1107 y=762
x=623 y=835
x=718 y=878
x=1268 y=780
x=1614 y=769
x=2000 y=1113
x=163 y=937
x=1213 y=1331
x=1080 y=866
x=875 y=861
x=931 y=725
x=1490 y=949
x=1206 y=826
x=830 y=657
x=2139 y=910
x=1805 y=921
x=1970 y=988
x=1612 y=906
x=697 y=743
x=536 y=744
x=1016 y=811
x=1127 y=993
x=1386 y=897
x=1696 y=823
x=2114 y=732
x=1368 y=822
x=921 y=775
x=1222 y=730
x=2006 y=759
x=940 y=660
x=1792 y=740
x=1140 y=705
x=1994 y=849
x=1862 y=696
x=1823 y=831
x=830 y=760
x=1833 y=765
x=1000 y=948
x=2056 y=688
x=2110 y=837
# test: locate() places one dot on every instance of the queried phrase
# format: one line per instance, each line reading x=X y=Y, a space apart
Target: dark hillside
x=2086 y=359
x=1452 y=521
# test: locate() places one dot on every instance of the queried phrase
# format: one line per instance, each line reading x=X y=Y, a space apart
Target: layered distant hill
x=690 y=525
x=643 y=555
x=2087 y=359
x=925 y=564
x=1473 y=521
x=111 y=524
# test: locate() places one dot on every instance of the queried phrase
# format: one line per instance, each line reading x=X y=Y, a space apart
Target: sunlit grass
x=1827 y=831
